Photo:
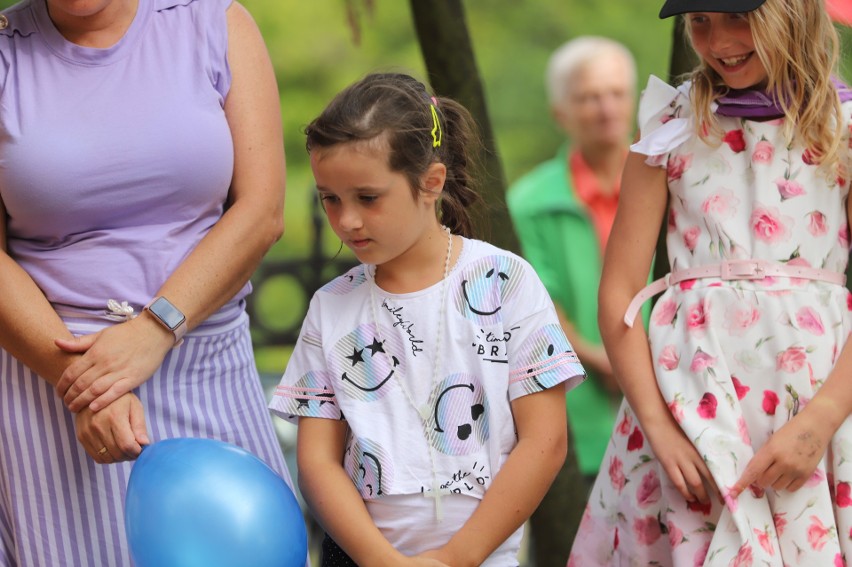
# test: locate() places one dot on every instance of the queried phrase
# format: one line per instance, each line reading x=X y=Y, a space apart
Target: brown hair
x=398 y=108
x=798 y=46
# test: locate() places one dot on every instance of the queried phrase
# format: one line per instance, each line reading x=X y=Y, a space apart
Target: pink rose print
x=664 y=312
x=769 y=225
x=615 y=539
x=701 y=555
x=740 y=388
x=690 y=237
x=730 y=501
x=780 y=522
x=701 y=361
x=696 y=318
x=843 y=236
x=647 y=530
x=770 y=402
x=707 y=406
x=843 y=496
x=742 y=429
x=739 y=317
x=809 y=157
x=799 y=261
x=789 y=189
x=672 y=222
x=721 y=204
x=649 y=490
x=838 y=561
x=745 y=557
x=849 y=301
x=625 y=424
x=735 y=140
x=763 y=152
x=686 y=285
x=815 y=478
x=810 y=321
x=616 y=474
x=817 y=534
x=677 y=165
x=697 y=506
x=756 y=491
x=817 y=223
x=764 y=540
x=791 y=360
x=669 y=357
x=636 y=440
x=675 y=535
x=676 y=410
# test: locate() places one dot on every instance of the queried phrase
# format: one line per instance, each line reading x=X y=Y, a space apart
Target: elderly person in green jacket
x=563 y=211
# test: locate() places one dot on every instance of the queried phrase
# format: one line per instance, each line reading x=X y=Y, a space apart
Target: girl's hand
x=683 y=464
x=114 y=361
x=789 y=458
x=119 y=428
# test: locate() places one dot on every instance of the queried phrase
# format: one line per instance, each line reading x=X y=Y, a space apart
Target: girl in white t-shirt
x=429 y=381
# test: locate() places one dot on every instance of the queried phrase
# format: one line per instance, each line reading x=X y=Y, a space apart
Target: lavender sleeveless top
x=114 y=163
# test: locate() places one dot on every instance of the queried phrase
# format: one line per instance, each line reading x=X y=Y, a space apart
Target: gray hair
x=572 y=55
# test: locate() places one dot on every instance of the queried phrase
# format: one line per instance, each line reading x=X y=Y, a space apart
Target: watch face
x=167 y=313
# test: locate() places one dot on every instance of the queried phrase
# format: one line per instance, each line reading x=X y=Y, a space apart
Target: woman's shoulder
x=212 y=5
x=17 y=20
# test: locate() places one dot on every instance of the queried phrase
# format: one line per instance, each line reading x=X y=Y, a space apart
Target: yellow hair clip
x=437 y=133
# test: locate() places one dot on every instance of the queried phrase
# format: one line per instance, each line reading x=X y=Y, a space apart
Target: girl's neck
x=421 y=268
x=101 y=29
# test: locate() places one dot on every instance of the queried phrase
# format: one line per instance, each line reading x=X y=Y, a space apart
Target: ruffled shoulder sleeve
x=665 y=120
x=15 y=22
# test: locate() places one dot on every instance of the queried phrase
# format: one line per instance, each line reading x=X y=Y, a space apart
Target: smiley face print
x=369 y=467
x=459 y=421
x=484 y=287
x=363 y=363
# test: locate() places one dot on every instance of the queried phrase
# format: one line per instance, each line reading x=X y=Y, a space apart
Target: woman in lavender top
x=140 y=158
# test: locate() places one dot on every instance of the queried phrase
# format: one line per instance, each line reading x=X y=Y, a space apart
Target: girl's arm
x=793 y=452
x=121 y=357
x=333 y=499
x=641 y=210
x=520 y=485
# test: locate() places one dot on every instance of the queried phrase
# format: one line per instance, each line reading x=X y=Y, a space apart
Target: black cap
x=675 y=7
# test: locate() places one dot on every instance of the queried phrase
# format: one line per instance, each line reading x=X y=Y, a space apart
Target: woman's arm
x=641 y=210
x=333 y=499
x=28 y=325
x=123 y=356
x=521 y=483
x=791 y=455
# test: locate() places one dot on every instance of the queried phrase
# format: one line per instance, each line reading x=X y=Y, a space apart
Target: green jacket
x=557 y=237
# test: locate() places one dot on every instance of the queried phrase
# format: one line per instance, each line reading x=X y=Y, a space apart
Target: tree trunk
x=448 y=54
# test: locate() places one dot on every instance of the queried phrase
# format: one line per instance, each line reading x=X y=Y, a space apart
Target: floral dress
x=736 y=359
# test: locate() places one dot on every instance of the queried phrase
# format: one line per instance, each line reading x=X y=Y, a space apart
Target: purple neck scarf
x=753 y=103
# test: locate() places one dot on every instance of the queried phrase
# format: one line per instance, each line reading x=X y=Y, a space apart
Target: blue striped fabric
x=59 y=508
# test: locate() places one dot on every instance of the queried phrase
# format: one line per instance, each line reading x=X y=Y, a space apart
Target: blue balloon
x=202 y=502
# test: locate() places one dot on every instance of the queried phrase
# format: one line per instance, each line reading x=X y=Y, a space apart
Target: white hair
x=573 y=55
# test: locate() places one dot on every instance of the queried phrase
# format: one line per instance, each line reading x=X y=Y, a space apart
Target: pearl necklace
x=423 y=412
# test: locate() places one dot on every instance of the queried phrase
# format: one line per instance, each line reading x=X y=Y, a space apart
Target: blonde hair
x=797 y=44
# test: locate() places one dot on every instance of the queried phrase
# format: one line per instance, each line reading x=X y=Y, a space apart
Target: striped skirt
x=58 y=507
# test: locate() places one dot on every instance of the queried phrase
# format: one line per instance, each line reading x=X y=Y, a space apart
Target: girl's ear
x=433 y=180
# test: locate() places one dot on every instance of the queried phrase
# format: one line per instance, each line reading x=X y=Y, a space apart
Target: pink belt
x=729 y=270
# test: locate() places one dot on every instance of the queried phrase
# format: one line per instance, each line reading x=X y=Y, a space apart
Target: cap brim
x=675 y=7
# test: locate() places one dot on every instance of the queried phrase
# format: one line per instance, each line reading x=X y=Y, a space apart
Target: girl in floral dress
x=734 y=446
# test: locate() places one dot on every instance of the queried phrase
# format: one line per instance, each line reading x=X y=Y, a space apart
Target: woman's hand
x=114 y=361
x=789 y=458
x=116 y=433
x=683 y=464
